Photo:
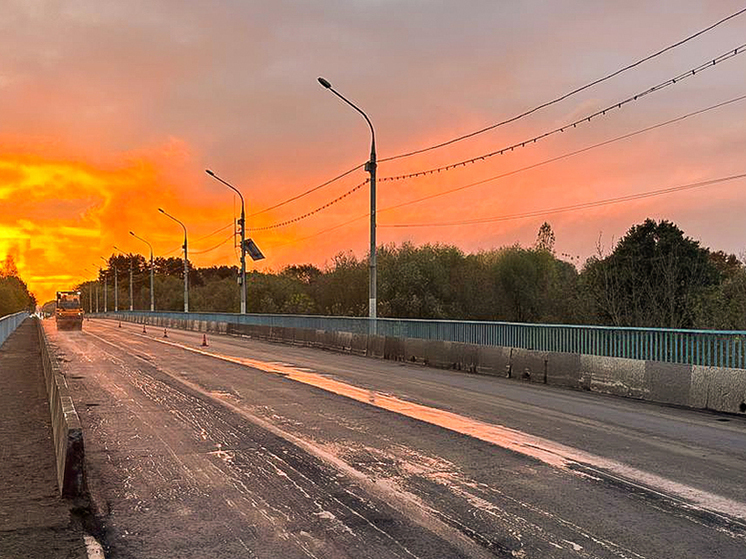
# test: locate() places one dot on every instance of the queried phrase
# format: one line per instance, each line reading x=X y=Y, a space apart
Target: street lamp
x=152 y=292
x=90 y=294
x=130 y=259
x=242 y=222
x=106 y=286
x=370 y=166
x=186 y=260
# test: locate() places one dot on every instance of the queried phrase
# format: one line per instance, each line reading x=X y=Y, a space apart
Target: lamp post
x=370 y=166
x=186 y=259
x=106 y=287
x=152 y=292
x=90 y=292
x=242 y=222
x=130 y=259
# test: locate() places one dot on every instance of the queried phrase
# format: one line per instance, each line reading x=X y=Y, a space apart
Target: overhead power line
x=317 y=233
x=221 y=243
x=568 y=94
x=602 y=112
x=565 y=155
x=307 y=192
x=573 y=207
x=516 y=171
x=312 y=212
x=215 y=232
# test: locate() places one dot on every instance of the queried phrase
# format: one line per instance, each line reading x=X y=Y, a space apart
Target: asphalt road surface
x=250 y=449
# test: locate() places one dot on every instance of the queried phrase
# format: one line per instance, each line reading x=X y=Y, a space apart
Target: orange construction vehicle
x=69 y=311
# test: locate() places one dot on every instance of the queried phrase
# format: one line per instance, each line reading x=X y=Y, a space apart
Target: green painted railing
x=696 y=347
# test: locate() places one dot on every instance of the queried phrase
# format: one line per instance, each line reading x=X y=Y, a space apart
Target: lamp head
x=131 y=233
x=325 y=83
x=161 y=210
x=209 y=172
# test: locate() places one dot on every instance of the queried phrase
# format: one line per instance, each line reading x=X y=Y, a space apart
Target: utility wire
x=221 y=243
x=565 y=155
x=294 y=241
x=312 y=212
x=307 y=192
x=569 y=94
x=214 y=232
x=574 y=207
x=618 y=105
x=516 y=171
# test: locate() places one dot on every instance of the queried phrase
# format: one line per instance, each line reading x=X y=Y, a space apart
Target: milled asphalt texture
x=35 y=522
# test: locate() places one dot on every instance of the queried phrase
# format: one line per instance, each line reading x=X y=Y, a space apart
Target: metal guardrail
x=696 y=347
x=9 y=323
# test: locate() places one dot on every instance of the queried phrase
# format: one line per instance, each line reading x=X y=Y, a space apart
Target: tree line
x=655 y=276
x=14 y=294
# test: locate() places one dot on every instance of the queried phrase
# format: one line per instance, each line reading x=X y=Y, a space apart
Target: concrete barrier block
x=304 y=336
x=454 y=353
x=291 y=335
x=288 y=335
x=67 y=431
x=318 y=338
x=329 y=339
x=529 y=365
x=275 y=333
x=613 y=375
x=393 y=348
x=493 y=360
x=469 y=357
x=359 y=344
x=414 y=350
x=563 y=369
x=437 y=354
x=236 y=329
x=344 y=341
x=376 y=345
x=668 y=383
x=718 y=389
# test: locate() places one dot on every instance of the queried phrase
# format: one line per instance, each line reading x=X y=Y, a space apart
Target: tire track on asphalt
x=407 y=504
x=411 y=502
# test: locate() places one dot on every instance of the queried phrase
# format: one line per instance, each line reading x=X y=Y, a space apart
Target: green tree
x=419 y=282
x=342 y=290
x=655 y=277
x=545 y=238
x=14 y=293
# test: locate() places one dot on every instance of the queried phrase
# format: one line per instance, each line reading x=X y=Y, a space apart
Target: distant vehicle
x=69 y=311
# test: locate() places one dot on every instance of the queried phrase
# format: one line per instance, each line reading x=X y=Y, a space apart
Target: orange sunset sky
x=109 y=110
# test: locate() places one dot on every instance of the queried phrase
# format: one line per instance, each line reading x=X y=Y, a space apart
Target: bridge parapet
x=694 y=368
x=9 y=323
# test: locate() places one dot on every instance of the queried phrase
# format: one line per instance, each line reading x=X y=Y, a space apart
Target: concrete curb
x=67 y=431
x=712 y=388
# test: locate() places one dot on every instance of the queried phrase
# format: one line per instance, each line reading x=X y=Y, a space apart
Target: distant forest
x=654 y=277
